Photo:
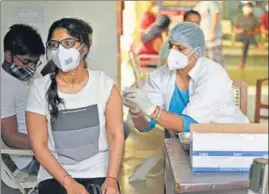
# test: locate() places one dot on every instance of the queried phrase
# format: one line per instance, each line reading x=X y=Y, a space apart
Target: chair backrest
x=241 y=95
x=259 y=104
x=226 y=27
x=147 y=59
x=10 y=178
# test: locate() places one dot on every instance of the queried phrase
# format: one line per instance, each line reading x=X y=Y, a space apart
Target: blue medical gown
x=178 y=102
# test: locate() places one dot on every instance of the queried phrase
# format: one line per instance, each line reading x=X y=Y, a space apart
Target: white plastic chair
x=17 y=179
x=227 y=29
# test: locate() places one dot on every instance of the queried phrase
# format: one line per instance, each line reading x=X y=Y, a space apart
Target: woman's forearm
x=116 y=149
x=139 y=120
x=169 y=120
x=49 y=162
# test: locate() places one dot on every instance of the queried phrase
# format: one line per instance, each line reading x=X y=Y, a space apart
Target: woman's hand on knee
x=110 y=186
x=73 y=187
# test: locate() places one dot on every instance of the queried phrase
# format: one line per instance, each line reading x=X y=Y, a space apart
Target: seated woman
x=74 y=118
x=190 y=89
x=151 y=40
x=246 y=27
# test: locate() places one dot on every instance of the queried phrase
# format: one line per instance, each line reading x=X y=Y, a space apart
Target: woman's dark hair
x=188 y=13
x=161 y=24
x=89 y=29
x=77 y=29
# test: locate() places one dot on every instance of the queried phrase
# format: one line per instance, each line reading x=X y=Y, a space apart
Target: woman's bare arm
x=38 y=135
x=115 y=134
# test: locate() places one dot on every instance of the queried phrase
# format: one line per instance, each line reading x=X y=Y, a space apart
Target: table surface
x=188 y=181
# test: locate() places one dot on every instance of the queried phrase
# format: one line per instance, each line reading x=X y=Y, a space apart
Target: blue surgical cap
x=189 y=35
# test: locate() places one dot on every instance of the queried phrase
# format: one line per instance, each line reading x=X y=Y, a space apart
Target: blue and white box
x=227 y=147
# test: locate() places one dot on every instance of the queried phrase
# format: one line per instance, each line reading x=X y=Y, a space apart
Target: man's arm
x=215 y=11
x=9 y=124
x=236 y=28
x=11 y=136
x=215 y=21
x=256 y=28
x=254 y=32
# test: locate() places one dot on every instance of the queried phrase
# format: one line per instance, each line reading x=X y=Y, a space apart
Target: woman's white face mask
x=66 y=59
x=177 y=60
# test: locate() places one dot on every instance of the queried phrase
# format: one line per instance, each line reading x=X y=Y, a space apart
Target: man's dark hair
x=23 y=39
x=249 y=4
x=188 y=13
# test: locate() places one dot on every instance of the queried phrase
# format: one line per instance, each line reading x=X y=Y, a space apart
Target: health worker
x=190 y=89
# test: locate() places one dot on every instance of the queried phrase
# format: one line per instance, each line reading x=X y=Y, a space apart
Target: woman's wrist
x=136 y=114
x=66 y=181
x=112 y=178
x=155 y=113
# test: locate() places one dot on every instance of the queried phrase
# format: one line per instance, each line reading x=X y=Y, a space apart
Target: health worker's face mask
x=66 y=59
x=177 y=60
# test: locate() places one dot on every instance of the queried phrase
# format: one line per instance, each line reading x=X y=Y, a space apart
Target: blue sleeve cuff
x=152 y=125
x=187 y=121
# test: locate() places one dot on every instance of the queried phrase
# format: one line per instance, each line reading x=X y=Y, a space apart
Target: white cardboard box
x=227 y=147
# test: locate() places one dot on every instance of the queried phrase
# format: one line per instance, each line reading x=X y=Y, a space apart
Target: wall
x=101 y=15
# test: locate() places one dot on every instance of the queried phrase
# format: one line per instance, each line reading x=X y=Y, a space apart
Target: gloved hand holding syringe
x=137 y=100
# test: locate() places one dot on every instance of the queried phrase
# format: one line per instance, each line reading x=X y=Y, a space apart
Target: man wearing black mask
x=23 y=47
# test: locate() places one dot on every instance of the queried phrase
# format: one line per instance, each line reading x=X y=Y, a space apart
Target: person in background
x=264 y=21
x=48 y=68
x=149 y=16
x=23 y=47
x=192 y=16
x=78 y=113
x=211 y=25
x=190 y=89
x=246 y=27
x=152 y=40
x=189 y=16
